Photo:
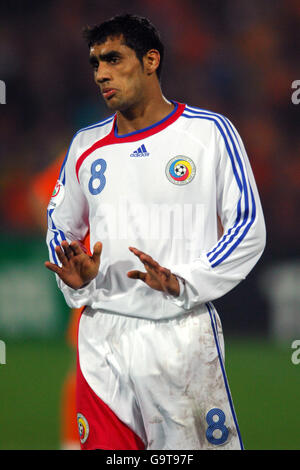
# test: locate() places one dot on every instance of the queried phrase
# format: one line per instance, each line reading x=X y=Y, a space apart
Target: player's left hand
x=156 y=277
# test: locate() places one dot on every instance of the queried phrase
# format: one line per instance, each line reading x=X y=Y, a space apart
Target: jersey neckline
x=150 y=130
x=111 y=138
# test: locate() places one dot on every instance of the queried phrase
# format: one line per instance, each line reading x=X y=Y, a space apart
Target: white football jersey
x=162 y=190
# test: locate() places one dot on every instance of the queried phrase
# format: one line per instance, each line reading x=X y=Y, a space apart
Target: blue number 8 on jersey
x=216 y=425
x=97 y=171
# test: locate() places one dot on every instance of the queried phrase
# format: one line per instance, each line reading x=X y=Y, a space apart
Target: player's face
x=118 y=73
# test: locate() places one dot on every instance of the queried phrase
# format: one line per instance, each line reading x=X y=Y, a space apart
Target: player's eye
x=94 y=65
x=114 y=60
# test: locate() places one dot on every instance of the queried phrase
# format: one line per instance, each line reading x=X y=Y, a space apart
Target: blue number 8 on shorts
x=216 y=425
x=97 y=170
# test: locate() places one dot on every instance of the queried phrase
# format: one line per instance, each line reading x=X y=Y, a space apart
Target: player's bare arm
x=77 y=267
x=157 y=277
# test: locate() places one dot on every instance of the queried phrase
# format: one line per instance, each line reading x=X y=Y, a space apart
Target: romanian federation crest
x=83 y=428
x=180 y=170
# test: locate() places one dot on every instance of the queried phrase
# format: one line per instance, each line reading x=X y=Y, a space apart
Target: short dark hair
x=138 y=32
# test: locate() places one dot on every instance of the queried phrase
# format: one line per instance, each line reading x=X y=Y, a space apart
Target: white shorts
x=164 y=379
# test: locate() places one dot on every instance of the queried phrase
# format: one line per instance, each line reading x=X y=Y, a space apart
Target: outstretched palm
x=156 y=276
x=77 y=268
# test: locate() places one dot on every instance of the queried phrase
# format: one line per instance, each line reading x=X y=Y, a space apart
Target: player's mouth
x=108 y=93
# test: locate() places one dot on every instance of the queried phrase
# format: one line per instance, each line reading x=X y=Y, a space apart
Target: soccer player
x=150 y=183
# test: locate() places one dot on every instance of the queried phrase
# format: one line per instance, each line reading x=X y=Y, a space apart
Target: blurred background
x=235 y=57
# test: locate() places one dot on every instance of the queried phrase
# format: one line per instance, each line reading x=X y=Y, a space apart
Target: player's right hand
x=77 y=268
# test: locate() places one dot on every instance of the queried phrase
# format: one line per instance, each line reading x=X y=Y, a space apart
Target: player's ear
x=151 y=61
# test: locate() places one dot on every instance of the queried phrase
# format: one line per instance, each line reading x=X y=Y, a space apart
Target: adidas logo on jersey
x=140 y=152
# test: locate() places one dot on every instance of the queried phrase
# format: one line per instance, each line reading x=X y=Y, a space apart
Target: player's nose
x=102 y=74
